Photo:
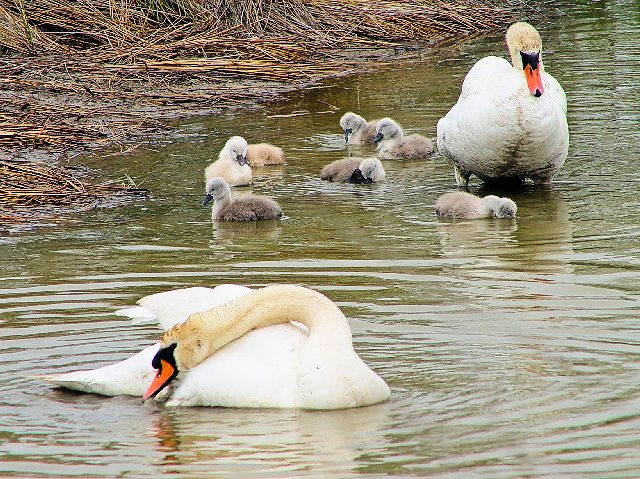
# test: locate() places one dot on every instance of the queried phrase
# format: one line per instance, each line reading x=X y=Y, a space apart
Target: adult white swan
x=510 y=122
x=278 y=346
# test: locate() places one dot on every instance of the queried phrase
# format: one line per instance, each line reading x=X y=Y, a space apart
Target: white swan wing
x=556 y=91
x=256 y=370
x=129 y=377
x=477 y=114
x=133 y=375
x=483 y=76
x=174 y=307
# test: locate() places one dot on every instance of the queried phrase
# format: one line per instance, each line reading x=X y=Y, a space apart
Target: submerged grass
x=90 y=72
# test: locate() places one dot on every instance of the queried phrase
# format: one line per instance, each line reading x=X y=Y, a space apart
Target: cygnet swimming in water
x=351 y=170
x=459 y=204
x=243 y=208
x=232 y=164
x=357 y=130
x=263 y=154
x=393 y=145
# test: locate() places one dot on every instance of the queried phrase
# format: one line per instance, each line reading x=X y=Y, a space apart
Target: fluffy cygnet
x=243 y=208
x=393 y=145
x=357 y=130
x=459 y=204
x=262 y=154
x=232 y=164
x=351 y=170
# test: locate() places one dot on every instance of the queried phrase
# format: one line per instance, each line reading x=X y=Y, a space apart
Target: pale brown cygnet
x=459 y=204
x=264 y=154
x=232 y=164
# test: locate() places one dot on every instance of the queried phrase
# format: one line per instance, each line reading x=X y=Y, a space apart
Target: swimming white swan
x=242 y=208
x=510 y=122
x=232 y=163
x=279 y=346
x=459 y=204
x=352 y=170
x=263 y=154
x=394 y=145
x=357 y=130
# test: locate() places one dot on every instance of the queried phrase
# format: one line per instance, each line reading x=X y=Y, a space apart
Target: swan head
x=350 y=122
x=216 y=189
x=181 y=348
x=387 y=129
x=500 y=207
x=165 y=363
x=372 y=169
x=525 y=48
x=236 y=149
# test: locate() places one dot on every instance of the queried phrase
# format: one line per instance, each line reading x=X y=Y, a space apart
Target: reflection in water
x=219 y=437
x=511 y=347
x=257 y=230
x=539 y=240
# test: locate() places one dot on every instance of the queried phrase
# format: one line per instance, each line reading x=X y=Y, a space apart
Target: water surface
x=511 y=347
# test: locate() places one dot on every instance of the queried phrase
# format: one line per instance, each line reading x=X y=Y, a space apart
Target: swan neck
x=206 y=332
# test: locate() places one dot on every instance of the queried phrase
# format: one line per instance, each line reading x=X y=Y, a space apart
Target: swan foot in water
x=462 y=179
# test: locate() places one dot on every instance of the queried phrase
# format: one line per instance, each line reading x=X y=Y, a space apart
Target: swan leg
x=462 y=179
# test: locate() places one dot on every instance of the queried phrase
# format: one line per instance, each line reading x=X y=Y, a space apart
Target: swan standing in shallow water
x=510 y=122
x=243 y=208
x=280 y=346
x=232 y=163
x=352 y=170
x=394 y=145
x=459 y=204
x=357 y=130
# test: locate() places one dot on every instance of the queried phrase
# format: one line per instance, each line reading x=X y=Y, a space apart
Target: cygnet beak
x=347 y=134
x=206 y=199
x=378 y=138
x=242 y=160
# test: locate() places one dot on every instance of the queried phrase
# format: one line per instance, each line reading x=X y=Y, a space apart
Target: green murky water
x=512 y=348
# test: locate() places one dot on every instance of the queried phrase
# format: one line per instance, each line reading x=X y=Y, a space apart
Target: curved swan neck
x=206 y=332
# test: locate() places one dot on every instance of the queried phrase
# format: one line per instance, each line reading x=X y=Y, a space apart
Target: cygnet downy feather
x=351 y=170
x=459 y=204
x=394 y=145
x=232 y=164
x=243 y=208
x=357 y=130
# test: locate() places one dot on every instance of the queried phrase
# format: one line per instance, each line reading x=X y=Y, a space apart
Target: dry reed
x=29 y=184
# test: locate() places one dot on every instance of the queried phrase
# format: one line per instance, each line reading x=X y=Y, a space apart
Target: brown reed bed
x=30 y=184
x=84 y=73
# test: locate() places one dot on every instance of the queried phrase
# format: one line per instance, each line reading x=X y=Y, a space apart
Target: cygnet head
x=236 y=149
x=372 y=169
x=500 y=207
x=216 y=189
x=351 y=122
x=386 y=129
x=525 y=48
